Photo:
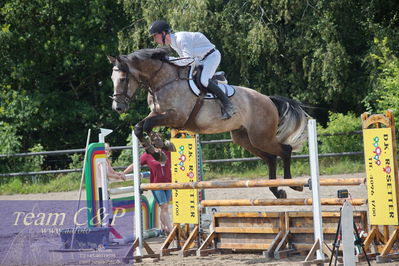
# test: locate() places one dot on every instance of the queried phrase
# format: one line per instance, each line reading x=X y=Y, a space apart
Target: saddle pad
x=227 y=89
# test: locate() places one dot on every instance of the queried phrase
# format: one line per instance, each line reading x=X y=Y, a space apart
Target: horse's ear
x=111 y=59
x=119 y=59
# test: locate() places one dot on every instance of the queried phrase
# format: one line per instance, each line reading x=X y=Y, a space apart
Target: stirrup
x=227 y=114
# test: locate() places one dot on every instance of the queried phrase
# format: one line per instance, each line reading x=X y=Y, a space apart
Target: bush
x=384 y=79
x=225 y=151
x=76 y=163
x=340 y=123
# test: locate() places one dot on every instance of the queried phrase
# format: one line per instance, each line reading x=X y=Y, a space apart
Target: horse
x=266 y=126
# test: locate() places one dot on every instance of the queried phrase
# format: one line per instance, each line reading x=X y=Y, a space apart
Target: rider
x=197 y=46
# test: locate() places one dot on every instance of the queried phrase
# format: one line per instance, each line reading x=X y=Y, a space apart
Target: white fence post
x=107 y=210
x=138 y=216
x=314 y=173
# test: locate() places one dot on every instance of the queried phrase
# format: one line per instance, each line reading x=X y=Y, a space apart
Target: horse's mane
x=145 y=54
x=142 y=54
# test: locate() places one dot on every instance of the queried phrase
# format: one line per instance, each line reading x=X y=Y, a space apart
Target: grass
x=58 y=184
x=327 y=166
x=70 y=182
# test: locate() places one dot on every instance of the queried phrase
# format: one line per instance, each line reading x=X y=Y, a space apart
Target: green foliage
x=53 y=59
x=385 y=79
x=24 y=164
x=220 y=151
x=327 y=166
x=341 y=165
x=340 y=123
x=34 y=163
x=290 y=48
x=125 y=158
x=76 y=163
x=56 y=184
x=10 y=142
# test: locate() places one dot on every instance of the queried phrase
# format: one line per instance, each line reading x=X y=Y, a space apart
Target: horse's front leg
x=145 y=142
x=146 y=125
x=138 y=130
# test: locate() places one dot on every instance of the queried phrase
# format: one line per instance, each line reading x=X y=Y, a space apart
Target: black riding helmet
x=159 y=26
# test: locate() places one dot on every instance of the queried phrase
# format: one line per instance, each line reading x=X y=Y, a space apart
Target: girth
x=200 y=99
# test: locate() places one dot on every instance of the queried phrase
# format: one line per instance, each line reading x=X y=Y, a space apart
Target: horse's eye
x=123 y=79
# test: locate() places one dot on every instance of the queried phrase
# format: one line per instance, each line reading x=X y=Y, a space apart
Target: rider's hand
x=122 y=176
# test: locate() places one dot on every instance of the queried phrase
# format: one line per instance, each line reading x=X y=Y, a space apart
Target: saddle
x=194 y=81
x=198 y=89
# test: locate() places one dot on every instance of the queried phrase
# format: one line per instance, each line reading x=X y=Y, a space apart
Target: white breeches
x=210 y=64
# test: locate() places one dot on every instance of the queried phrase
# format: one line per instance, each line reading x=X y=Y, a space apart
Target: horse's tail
x=292 y=122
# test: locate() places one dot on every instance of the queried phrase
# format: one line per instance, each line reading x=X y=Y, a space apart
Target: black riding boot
x=228 y=108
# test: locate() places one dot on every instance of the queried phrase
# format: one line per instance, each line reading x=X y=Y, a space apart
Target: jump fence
x=118 y=148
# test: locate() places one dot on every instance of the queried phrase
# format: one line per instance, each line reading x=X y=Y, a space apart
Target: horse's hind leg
x=271 y=161
x=240 y=137
x=286 y=157
x=270 y=145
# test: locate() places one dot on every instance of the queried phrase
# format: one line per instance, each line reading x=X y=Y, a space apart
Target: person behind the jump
x=160 y=172
x=111 y=173
x=197 y=46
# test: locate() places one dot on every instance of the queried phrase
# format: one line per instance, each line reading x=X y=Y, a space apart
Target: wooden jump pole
x=280 y=202
x=253 y=183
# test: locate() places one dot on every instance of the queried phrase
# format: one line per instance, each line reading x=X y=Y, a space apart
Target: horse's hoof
x=148 y=146
x=297 y=188
x=169 y=146
x=282 y=194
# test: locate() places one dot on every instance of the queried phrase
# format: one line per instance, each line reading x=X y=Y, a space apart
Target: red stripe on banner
x=114 y=232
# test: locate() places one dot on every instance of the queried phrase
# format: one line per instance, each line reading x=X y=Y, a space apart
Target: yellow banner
x=184 y=169
x=381 y=183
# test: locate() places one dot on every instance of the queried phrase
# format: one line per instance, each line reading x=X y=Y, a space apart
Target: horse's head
x=125 y=84
x=141 y=66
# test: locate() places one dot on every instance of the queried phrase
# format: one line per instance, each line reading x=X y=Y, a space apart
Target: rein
x=152 y=91
x=126 y=98
x=198 y=103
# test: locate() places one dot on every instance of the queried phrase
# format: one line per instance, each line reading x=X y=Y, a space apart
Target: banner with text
x=381 y=183
x=184 y=169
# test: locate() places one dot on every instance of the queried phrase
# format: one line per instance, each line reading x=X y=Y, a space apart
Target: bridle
x=123 y=97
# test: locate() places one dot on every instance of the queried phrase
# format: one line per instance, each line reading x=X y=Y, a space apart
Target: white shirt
x=190 y=44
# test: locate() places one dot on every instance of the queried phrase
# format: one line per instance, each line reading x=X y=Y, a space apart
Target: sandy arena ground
x=11 y=241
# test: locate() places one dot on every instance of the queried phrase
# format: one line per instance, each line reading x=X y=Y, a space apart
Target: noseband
x=123 y=97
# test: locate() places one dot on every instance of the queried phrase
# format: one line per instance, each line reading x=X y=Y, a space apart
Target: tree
x=311 y=51
x=52 y=64
x=385 y=80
